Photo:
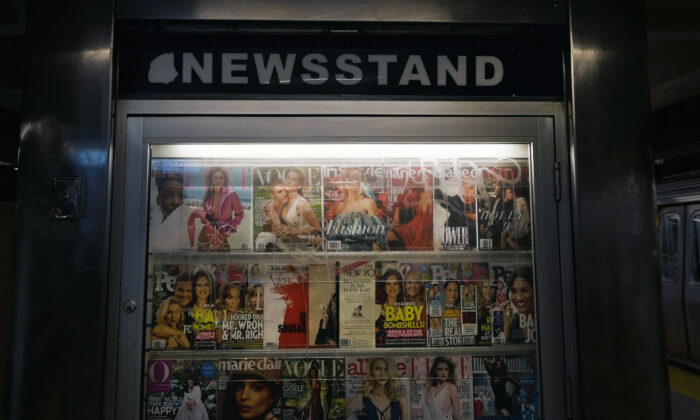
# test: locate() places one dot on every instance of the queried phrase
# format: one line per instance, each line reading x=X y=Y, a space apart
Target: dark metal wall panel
x=467 y=11
x=57 y=345
x=622 y=357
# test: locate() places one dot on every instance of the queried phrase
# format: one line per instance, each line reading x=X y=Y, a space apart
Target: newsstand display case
x=335 y=267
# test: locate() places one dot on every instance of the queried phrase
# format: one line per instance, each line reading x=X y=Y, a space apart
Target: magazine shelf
x=496 y=350
x=330 y=255
x=303 y=275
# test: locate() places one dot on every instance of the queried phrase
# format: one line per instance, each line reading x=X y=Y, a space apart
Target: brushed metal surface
x=303 y=129
x=57 y=344
x=218 y=107
x=468 y=11
x=622 y=356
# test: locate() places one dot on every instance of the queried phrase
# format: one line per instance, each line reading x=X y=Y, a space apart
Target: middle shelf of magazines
x=339 y=304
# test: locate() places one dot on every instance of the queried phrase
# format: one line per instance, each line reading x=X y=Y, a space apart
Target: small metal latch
x=129 y=306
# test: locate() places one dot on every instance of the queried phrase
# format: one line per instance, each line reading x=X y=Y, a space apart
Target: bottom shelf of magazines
x=462 y=384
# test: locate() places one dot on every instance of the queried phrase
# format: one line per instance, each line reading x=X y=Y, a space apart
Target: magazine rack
x=328 y=266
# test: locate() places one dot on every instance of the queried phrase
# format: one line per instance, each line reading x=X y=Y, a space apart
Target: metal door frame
x=552 y=227
x=672 y=291
x=691 y=288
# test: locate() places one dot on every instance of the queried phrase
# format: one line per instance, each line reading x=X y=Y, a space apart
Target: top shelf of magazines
x=414 y=206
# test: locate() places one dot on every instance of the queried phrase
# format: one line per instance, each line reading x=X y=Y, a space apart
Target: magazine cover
x=217 y=215
x=505 y=387
x=409 y=207
x=287 y=202
x=472 y=275
x=377 y=387
x=442 y=292
x=250 y=389
x=165 y=210
x=203 y=326
x=503 y=200
x=323 y=306
x=239 y=323
x=286 y=301
x=441 y=388
x=313 y=389
x=400 y=322
x=354 y=218
x=513 y=310
x=171 y=300
x=182 y=389
x=455 y=206
x=356 y=286
x=485 y=297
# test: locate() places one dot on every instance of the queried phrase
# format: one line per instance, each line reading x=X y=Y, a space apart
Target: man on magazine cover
x=166 y=232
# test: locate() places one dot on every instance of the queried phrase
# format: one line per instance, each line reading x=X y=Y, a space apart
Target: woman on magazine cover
x=221 y=214
x=255 y=299
x=170 y=325
x=228 y=304
x=313 y=410
x=389 y=293
x=231 y=299
x=192 y=409
x=356 y=223
x=499 y=377
x=194 y=390
x=252 y=395
x=441 y=397
x=415 y=291
x=413 y=218
x=299 y=223
x=379 y=399
x=452 y=294
x=203 y=282
x=517 y=233
x=519 y=311
x=328 y=326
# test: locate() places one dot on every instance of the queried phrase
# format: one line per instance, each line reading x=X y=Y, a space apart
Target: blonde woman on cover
x=255 y=299
x=356 y=223
x=299 y=223
x=379 y=399
x=170 y=323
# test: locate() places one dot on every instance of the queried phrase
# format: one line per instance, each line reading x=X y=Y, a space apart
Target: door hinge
x=557 y=181
x=569 y=403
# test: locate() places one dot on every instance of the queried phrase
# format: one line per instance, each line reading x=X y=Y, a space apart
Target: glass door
x=337 y=280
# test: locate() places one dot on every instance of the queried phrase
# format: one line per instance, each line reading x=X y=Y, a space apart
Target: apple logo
x=162 y=69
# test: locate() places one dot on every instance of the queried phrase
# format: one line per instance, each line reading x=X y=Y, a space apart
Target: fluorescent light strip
x=343 y=151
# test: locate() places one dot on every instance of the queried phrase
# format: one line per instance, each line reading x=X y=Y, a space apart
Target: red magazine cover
x=409 y=207
x=286 y=305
